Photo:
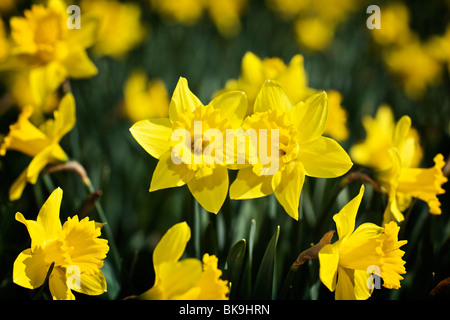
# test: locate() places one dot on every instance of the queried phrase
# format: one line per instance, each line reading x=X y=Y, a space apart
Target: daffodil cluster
x=315 y=21
x=267 y=132
x=416 y=63
x=300 y=147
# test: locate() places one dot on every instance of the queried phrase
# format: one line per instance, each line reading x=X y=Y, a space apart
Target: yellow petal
x=92 y=285
x=24 y=137
x=248 y=185
x=65 y=117
x=87 y=34
x=182 y=100
x=310 y=117
x=329 y=261
x=252 y=69
x=16 y=189
x=38 y=163
x=172 y=245
x=272 y=97
x=345 y=285
x=169 y=175
x=48 y=216
x=35 y=230
x=233 y=106
x=175 y=279
x=29 y=270
x=153 y=135
x=361 y=289
x=345 y=219
x=78 y=65
x=58 y=285
x=289 y=187
x=401 y=131
x=324 y=158
x=210 y=187
x=45 y=80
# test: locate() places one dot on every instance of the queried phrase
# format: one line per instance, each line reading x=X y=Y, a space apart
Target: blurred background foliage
x=352 y=63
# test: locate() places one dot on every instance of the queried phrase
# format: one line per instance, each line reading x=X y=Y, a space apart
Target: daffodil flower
x=201 y=167
x=144 y=99
x=393 y=151
x=43 y=42
x=42 y=144
x=120 y=27
x=346 y=266
x=186 y=279
x=302 y=150
x=74 y=249
x=294 y=80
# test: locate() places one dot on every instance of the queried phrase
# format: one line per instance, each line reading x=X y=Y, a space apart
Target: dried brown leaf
x=313 y=252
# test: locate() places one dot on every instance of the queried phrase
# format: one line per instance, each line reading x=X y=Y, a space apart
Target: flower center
x=204 y=133
x=277 y=139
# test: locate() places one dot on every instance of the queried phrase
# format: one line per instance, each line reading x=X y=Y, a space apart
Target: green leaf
x=265 y=278
x=234 y=262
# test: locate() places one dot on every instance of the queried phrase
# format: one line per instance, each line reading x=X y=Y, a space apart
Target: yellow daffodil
x=184 y=279
x=144 y=99
x=414 y=66
x=294 y=79
x=226 y=15
x=393 y=151
x=347 y=264
x=120 y=29
x=74 y=249
x=42 y=144
x=380 y=130
x=43 y=42
x=255 y=71
x=314 y=33
x=337 y=117
x=439 y=47
x=200 y=163
x=300 y=150
x=182 y=11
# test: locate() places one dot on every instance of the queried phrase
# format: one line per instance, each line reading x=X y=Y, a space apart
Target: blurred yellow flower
x=395 y=28
x=314 y=33
x=182 y=11
x=439 y=47
x=414 y=66
x=337 y=117
x=294 y=80
x=347 y=264
x=74 y=249
x=374 y=152
x=121 y=28
x=205 y=175
x=42 y=41
x=315 y=20
x=255 y=71
x=19 y=86
x=184 y=279
x=302 y=150
x=393 y=151
x=145 y=99
x=226 y=15
x=42 y=144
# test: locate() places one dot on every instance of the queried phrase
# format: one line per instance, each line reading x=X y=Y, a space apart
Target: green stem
x=41 y=289
x=196 y=228
x=107 y=228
